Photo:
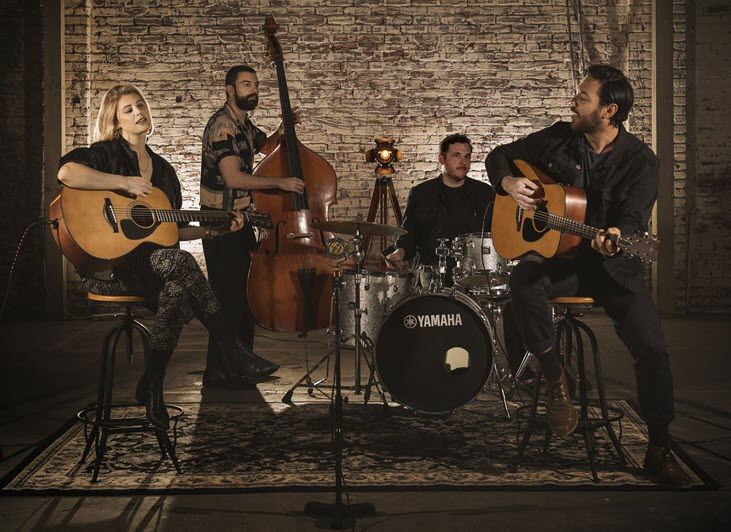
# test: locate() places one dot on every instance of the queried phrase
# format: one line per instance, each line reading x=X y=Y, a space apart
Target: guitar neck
x=174 y=215
x=567 y=225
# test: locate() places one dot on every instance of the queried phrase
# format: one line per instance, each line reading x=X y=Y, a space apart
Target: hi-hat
x=348 y=227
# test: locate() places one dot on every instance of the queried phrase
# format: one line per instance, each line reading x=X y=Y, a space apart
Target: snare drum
x=379 y=291
x=478 y=264
x=434 y=351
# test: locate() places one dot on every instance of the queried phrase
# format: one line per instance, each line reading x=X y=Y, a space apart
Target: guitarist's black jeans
x=228 y=259
x=535 y=280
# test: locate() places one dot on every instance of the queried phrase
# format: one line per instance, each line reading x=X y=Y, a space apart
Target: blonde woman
x=170 y=278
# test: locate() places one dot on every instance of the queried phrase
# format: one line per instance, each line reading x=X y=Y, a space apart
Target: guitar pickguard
x=132 y=231
x=533 y=230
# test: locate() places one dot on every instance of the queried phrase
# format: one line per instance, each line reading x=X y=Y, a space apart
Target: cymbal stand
x=495 y=379
x=306 y=379
x=337 y=515
x=358 y=255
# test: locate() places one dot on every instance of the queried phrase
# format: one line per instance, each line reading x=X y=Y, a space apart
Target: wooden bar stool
x=99 y=414
x=569 y=330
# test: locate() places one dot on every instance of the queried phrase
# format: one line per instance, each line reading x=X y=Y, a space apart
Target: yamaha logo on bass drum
x=432 y=320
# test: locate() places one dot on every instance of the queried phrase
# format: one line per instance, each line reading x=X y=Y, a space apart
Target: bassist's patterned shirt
x=225 y=135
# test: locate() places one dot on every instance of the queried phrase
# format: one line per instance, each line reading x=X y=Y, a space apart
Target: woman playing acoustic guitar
x=169 y=278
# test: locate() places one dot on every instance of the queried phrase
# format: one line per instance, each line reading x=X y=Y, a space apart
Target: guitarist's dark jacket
x=621 y=188
x=428 y=216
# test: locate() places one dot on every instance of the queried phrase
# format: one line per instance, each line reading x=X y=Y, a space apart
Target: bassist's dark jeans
x=535 y=280
x=228 y=259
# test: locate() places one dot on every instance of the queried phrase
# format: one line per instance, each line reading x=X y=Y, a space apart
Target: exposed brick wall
x=414 y=69
x=21 y=155
x=680 y=138
x=710 y=277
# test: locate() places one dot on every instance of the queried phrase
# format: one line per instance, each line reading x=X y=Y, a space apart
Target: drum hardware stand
x=442 y=251
x=494 y=380
x=372 y=376
x=306 y=379
x=338 y=515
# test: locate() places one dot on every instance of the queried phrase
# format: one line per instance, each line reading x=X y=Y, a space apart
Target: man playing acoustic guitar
x=619 y=174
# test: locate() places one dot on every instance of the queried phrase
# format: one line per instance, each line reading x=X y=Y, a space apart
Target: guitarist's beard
x=587 y=124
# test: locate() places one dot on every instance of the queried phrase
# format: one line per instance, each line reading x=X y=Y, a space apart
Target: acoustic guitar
x=96 y=229
x=557 y=227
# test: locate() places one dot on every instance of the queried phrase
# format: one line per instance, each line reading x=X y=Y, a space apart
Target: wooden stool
x=102 y=423
x=570 y=329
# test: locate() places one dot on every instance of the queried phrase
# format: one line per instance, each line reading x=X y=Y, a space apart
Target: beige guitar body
x=516 y=231
x=98 y=228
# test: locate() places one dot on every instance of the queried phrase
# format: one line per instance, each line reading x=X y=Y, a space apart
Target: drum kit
x=429 y=338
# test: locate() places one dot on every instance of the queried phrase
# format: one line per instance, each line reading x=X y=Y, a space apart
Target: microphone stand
x=338 y=516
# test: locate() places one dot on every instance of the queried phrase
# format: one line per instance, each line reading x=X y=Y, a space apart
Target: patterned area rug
x=270 y=446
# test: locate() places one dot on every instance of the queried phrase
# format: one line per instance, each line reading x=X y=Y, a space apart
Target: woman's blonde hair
x=107 y=125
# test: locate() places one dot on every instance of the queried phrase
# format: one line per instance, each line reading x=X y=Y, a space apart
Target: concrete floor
x=50 y=372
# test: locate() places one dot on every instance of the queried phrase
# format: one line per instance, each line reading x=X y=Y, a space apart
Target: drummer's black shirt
x=435 y=211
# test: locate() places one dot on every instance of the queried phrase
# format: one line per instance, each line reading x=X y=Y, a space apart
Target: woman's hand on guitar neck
x=526 y=193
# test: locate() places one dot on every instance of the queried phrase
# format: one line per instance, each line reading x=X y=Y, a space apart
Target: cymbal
x=350 y=227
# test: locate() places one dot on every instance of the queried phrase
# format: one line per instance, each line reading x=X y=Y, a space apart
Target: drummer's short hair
x=233 y=73
x=454 y=138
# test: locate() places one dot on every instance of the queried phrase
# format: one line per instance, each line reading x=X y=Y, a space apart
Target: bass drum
x=434 y=351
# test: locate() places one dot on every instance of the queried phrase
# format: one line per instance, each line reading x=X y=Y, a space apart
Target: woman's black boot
x=149 y=388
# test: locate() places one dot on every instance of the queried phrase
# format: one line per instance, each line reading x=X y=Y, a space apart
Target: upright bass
x=290 y=279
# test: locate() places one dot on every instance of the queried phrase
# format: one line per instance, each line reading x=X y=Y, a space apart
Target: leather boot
x=149 y=394
x=216 y=377
x=661 y=467
x=239 y=359
x=236 y=357
x=560 y=412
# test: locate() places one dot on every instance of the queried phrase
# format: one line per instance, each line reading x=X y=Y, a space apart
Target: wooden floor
x=49 y=372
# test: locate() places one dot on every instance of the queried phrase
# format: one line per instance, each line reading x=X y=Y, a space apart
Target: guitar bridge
x=109 y=215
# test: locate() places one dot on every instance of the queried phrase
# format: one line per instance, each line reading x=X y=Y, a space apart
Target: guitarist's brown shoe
x=661 y=468
x=560 y=412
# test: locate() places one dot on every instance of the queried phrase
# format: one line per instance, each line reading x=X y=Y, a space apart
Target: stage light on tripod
x=384 y=154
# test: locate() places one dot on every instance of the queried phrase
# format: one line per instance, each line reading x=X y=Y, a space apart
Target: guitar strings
x=568 y=224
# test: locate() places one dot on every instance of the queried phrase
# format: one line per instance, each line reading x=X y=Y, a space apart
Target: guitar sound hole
x=142 y=216
x=540 y=222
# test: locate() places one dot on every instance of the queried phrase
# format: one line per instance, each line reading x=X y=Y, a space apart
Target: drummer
x=447 y=206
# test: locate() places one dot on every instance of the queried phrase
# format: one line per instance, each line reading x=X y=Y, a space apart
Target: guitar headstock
x=645 y=246
x=259 y=219
x=273 y=48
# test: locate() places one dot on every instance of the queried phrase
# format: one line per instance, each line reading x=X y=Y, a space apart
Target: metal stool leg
x=163 y=435
x=601 y=391
x=93 y=436
x=106 y=397
x=586 y=427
